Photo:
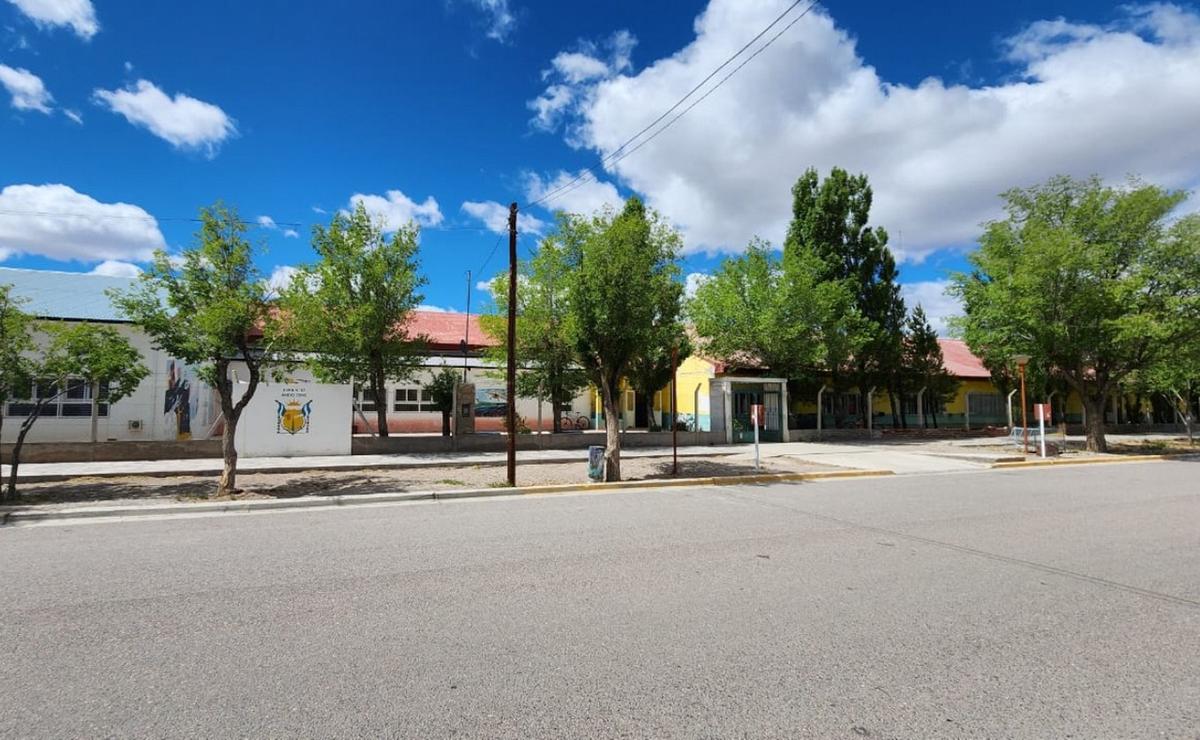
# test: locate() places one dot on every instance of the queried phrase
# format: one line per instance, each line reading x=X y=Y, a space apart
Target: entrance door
x=640 y=419
x=772 y=430
x=744 y=396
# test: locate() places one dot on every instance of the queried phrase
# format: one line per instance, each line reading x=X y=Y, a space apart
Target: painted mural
x=178 y=400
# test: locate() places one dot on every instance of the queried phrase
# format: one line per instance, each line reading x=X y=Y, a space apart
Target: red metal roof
x=960 y=362
x=446 y=329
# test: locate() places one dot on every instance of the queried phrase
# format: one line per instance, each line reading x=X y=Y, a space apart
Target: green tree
x=651 y=371
x=441 y=389
x=352 y=309
x=546 y=354
x=624 y=292
x=77 y=353
x=206 y=308
x=1088 y=279
x=758 y=309
x=923 y=362
x=830 y=220
x=16 y=341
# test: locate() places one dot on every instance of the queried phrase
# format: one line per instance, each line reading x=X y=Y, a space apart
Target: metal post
x=967 y=411
x=921 y=406
x=511 y=375
x=820 y=409
x=1042 y=430
x=1008 y=408
x=754 y=421
x=1024 y=419
x=871 y=409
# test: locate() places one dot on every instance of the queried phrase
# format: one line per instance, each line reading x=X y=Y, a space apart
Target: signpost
x=1042 y=412
x=756 y=418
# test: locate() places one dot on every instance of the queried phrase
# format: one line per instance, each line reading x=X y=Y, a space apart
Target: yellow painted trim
x=1091 y=460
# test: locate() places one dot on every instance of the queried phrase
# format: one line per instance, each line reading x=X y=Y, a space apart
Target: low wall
x=498 y=442
x=55 y=452
x=813 y=435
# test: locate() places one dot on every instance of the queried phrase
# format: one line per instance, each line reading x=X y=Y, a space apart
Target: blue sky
x=443 y=110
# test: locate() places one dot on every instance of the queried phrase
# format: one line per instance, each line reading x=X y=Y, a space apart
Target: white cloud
x=931 y=296
x=435 y=309
x=584 y=197
x=394 y=209
x=57 y=222
x=484 y=286
x=501 y=21
x=494 y=216
x=291 y=234
x=573 y=75
x=116 y=268
x=78 y=14
x=27 y=90
x=281 y=277
x=318 y=209
x=266 y=222
x=74 y=115
x=183 y=121
x=693 y=282
x=1084 y=99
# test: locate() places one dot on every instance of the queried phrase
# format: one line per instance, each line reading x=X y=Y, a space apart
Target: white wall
x=146 y=405
x=320 y=414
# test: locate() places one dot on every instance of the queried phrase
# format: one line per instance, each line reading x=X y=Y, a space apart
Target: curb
x=277 y=469
x=1006 y=464
x=313 y=502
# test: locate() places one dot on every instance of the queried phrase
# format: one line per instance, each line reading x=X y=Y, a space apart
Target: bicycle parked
x=578 y=421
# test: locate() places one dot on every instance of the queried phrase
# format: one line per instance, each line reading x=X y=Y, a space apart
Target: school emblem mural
x=292 y=417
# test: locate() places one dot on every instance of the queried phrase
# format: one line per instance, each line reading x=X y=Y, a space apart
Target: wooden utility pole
x=466 y=343
x=674 y=416
x=512 y=345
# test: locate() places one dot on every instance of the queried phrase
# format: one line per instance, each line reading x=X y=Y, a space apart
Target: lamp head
x=1021 y=360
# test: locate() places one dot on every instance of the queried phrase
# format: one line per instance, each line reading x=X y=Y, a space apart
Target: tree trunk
x=651 y=424
x=1185 y=416
x=1094 y=407
x=895 y=410
x=10 y=495
x=379 y=392
x=227 y=486
x=556 y=409
x=445 y=423
x=612 y=429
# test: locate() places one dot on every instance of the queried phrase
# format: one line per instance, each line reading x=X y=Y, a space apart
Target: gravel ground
x=142 y=489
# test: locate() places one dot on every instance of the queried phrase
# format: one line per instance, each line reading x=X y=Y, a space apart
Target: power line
x=193 y=219
x=619 y=154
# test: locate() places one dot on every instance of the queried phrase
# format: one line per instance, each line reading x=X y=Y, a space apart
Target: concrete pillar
x=1008 y=408
x=921 y=407
x=727 y=402
x=871 y=409
x=820 y=407
x=783 y=400
x=967 y=411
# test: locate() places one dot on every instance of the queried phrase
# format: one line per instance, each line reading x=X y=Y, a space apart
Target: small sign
x=756 y=414
x=1041 y=412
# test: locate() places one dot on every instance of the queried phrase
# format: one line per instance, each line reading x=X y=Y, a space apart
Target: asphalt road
x=1047 y=603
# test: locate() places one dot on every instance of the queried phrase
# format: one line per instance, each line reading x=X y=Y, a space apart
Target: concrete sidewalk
x=31 y=472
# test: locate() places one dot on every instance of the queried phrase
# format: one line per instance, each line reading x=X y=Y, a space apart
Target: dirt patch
x=146 y=489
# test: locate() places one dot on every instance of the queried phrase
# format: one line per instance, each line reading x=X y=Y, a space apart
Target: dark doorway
x=641 y=419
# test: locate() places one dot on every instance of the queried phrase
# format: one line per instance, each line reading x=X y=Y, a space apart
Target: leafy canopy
x=759 y=309
x=352 y=309
x=202 y=306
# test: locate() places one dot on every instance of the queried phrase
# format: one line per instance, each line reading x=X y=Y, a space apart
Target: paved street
x=1025 y=603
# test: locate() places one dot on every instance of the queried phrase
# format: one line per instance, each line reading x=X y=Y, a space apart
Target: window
x=407 y=399
x=987 y=405
x=75 y=402
x=366 y=401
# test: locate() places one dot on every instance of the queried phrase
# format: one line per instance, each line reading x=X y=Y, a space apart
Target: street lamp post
x=1022 y=361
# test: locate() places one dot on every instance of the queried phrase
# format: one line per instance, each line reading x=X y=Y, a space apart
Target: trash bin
x=596 y=463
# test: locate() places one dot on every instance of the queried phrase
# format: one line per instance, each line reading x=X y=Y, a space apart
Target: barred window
x=987 y=404
x=407 y=399
x=74 y=402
